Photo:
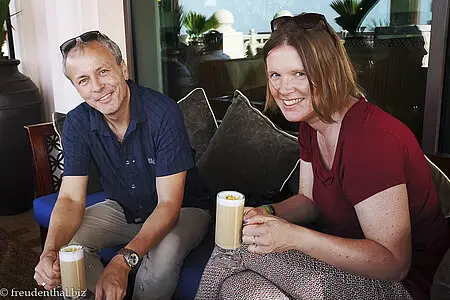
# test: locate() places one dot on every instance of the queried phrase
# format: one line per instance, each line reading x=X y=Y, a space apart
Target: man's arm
x=170 y=191
x=64 y=222
x=67 y=213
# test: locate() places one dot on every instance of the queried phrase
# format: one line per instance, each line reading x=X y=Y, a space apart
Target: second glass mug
x=229 y=218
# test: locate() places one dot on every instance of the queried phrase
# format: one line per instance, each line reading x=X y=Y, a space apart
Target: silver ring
x=44 y=283
x=253 y=241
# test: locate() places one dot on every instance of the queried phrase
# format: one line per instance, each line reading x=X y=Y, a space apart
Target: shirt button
x=133 y=161
x=133 y=186
x=127 y=162
x=141 y=287
x=140 y=206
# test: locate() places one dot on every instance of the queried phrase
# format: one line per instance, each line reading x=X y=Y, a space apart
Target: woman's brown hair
x=331 y=76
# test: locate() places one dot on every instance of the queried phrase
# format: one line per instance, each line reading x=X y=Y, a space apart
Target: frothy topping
x=71 y=253
x=230 y=198
x=72 y=248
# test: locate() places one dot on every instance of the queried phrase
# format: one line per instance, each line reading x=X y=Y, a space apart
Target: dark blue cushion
x=43 y=206
x=106 y=254
x=193 y=267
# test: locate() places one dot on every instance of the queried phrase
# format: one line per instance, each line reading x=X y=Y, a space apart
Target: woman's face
x=289 y=84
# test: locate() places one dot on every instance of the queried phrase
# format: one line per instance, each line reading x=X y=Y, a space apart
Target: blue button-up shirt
x=155 y=144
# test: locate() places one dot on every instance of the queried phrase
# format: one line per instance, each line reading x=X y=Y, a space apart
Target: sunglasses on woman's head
x=304 y=21
x=85 y=37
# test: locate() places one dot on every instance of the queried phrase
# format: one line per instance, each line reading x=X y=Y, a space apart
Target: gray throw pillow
x=199 y=120
x=94 y=184
x=442 y=185
x=440 y=290
x=248 y=153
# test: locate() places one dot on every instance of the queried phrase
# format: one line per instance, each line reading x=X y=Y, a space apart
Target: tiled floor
x=24 y=228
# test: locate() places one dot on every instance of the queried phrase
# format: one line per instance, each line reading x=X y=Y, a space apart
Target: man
x=137 y=139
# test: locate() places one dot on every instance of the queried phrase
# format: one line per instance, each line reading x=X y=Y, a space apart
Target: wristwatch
x=131 y=257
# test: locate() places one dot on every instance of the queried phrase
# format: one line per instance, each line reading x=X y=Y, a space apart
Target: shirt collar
x=136 y=110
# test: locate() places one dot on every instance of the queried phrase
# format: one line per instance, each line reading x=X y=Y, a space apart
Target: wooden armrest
x=42 y=172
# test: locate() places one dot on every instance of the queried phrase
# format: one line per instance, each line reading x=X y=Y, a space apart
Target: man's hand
x=250 y=212
x=113 y=283
x=47 y=272
x=266 y=234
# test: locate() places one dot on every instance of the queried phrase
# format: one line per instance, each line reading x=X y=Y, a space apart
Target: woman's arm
x=384 y=254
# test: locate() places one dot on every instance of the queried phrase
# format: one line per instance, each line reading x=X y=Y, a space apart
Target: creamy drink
x=229 y=217
x=73 y=273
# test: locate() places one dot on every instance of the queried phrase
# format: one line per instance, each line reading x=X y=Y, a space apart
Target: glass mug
x=73 y=272
x=229 y=218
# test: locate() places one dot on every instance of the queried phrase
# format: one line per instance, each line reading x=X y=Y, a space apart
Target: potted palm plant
x=197 y=24
x=20 y=104
x=351 y=15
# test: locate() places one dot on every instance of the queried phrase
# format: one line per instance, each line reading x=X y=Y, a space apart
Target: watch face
x=133 y=259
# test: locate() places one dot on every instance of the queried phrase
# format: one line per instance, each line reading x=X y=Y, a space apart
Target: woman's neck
x=329 y=129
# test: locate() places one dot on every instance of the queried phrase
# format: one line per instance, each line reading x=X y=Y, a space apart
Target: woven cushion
x=248 y=152
x=199 y=120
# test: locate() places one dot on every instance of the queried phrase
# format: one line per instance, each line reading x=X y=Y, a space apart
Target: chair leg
x=43 y=233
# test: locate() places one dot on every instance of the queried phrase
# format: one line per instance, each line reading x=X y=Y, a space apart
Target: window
x=389 y=49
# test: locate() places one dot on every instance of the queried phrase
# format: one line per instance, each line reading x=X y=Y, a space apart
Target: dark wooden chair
x=43 y=140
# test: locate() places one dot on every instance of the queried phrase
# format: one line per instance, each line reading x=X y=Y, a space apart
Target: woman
x=362 y=174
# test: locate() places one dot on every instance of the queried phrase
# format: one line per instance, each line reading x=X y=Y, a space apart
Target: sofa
x=268 y=158
x=247 y=152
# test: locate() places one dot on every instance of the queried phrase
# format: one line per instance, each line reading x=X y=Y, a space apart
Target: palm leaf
x=344 y=7
x=211 y=23
x=196 y=24
x=4 y=15
x=352 y=13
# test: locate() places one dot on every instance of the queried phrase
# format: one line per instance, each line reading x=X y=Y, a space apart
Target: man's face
x=99 y=79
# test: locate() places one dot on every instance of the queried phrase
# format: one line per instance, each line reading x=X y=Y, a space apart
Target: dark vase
x=20 y=105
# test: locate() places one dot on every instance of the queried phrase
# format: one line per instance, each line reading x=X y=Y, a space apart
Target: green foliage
x=196 y=24
x=171 y=14
x=171 y=18
x=4 y=4
x=352 y=13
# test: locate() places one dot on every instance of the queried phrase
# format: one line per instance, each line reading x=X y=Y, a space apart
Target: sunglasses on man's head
x=304 y=21
x=85 y=37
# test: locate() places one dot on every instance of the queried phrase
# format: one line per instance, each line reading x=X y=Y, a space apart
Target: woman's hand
x=250 y=212
x=266 y=234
